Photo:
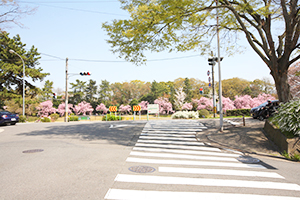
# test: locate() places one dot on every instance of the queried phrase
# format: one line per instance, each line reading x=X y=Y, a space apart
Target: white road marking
x=185 y=152
x=168 y=155
x=220 y=172
x=171 y=142
x=171 y=135
x=188 y=162
x=206 y=182
x=168 y=138
x=178 y=147
x=179 y=132
x=119 y=194
x=1 y=130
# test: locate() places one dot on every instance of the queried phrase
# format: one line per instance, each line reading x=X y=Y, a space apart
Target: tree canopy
x=185 y=25
x=11 y=68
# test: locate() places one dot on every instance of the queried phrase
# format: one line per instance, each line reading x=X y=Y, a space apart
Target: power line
x=115 y=61
x=66 y=2
x=73 y=9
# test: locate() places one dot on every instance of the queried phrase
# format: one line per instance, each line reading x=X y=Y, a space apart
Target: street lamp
x=12 y=51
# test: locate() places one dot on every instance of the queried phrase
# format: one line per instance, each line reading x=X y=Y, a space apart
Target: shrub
x=203 y=113
x=288 y=117
x=22 y=118
x=73 y=118
x=54 y=116
x=238 y=112
x=110 y=118
x=185 y=115
x=45 y=119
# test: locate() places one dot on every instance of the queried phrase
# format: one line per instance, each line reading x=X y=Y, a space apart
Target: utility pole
x=213 y=86
x=219 y=64
x=66 y=95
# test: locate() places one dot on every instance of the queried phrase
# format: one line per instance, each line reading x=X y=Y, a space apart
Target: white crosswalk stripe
x=185 y=168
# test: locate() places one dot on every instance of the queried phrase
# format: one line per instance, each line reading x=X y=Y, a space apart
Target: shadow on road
x=122 y=133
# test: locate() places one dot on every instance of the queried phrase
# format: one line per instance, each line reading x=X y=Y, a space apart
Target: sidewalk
x=249 y=139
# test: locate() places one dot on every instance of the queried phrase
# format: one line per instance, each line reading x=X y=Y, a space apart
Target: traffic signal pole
x=213 y=87
x=219 y=64
x=66 y=95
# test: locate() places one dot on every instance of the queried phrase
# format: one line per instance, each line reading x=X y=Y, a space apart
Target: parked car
x=256 y=110
x=8 y=118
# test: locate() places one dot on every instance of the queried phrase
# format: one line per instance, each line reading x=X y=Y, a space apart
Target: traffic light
x=54 y=96
x=213 y=60
x=201 y=90
x=85 y=73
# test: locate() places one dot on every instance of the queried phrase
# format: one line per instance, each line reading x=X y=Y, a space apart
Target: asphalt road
x=85 y=160
x=75 y=161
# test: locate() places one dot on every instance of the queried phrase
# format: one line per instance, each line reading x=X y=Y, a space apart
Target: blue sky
x=72 y=29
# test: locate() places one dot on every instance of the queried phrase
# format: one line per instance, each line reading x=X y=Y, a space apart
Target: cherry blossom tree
x=243 y=102
x=227 y=104
x=125 y=109
x=102 y=108
x=144 y=105
x=180 y=97
x=261 y=98
x=204 y=103
x=83 y=108
x=62 y=108
x=165 y=107
x=45 y=108
x=187 y=106
x=294 y=80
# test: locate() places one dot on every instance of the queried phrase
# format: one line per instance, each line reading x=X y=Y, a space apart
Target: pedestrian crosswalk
x=176 y=165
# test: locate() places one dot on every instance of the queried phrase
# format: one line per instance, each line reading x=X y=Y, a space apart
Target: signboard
x=153 y=108
x=112 y=108
x=136 y=108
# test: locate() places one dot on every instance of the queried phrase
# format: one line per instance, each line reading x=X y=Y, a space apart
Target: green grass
x=295 y=157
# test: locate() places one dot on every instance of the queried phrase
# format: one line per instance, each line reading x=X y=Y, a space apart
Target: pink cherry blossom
x=83 y=108
x=144 y=105
x=165 y=107
x=61 y=109
x=187 y=106
x=204 y=103
x=102 y=107
x=45 y=108
x=227 y=104
x=125 y=109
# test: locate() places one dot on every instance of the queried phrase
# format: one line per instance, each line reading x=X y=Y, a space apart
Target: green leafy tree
x=11 y=69
x=105 y=93
x=90 y=93
x=47 y=90
x=190 y=25
x=78 y=92
x=187 y=89
x=234 y=86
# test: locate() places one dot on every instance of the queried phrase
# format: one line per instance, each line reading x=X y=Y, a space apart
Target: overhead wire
x=116 y=61
x=73 y=9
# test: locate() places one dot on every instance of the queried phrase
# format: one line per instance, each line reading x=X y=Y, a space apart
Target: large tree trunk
x=279 y=71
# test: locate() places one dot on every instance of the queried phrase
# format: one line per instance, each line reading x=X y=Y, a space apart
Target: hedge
x=238 y=112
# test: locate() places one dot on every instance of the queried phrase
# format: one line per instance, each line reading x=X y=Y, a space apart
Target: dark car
x=8 y=118
x=255 y=111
